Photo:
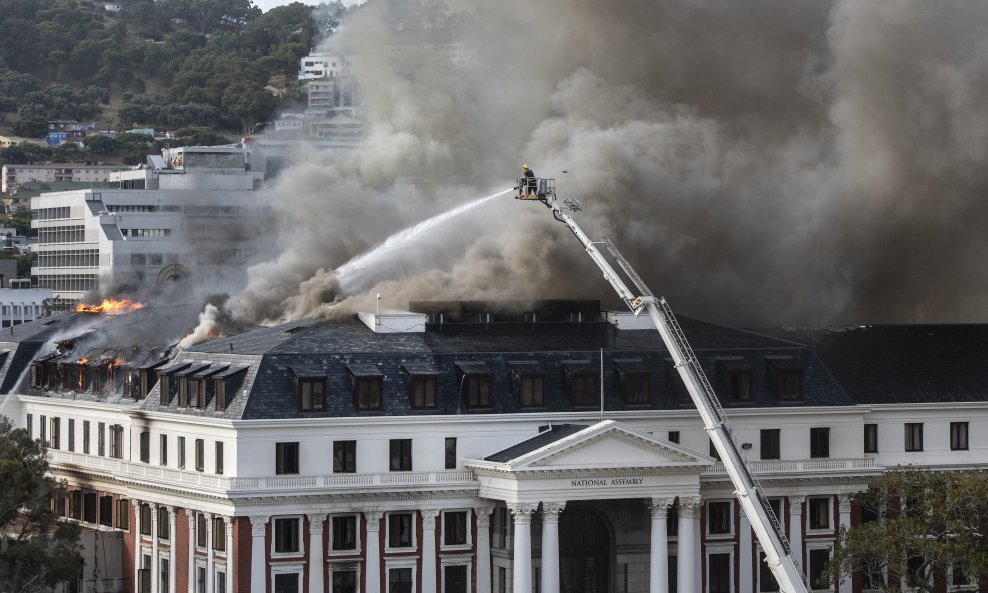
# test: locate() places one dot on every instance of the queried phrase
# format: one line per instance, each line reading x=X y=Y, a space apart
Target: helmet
x=524 y=166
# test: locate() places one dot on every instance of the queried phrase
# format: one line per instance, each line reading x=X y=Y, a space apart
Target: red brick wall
x=242 y=548
x=181 y=556
x=127 y=560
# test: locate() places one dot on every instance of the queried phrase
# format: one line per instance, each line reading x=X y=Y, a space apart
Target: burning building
x=455 y=446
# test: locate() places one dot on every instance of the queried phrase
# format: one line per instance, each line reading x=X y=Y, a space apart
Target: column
x=258 y=556
x=796 y=529
x=658 y=575
x=155 y=563
x=550 y=545
x=317 y=559
x=172 y=548
x=483 y=549
x=210 y=567
x=844 y=502
x=228 y=522
x=522 y=566
x=429 y=549
x=686 y=560
x=372 y=580
x=746 y=577
x=190 y=516
x=138 y=505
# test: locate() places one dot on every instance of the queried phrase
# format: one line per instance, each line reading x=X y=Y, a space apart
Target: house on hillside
x=112 y=7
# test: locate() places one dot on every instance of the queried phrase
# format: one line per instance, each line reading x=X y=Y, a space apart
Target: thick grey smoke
x=758 y=162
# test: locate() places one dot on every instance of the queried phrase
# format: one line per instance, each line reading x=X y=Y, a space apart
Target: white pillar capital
x=551 y=511
x=429 y=518
x=844 y=503
x=522 y=512
x=172 y=516
x=257 y=525
x=689 y=506
x=373 y=554
x=659 y=507
x=483 y=515
x=373 y=520
x=317 y=560
x=796 y=504
x=315 y=523
x=190 y=518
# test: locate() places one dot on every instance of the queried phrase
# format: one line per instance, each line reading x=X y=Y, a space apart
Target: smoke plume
x=758 y=162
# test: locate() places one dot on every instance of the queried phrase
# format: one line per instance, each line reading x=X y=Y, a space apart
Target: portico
x=586 y=469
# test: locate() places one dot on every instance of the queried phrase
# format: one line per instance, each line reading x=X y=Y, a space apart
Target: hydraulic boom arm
x=763 y=520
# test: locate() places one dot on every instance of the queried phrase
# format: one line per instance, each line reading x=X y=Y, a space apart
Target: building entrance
x=584 y=551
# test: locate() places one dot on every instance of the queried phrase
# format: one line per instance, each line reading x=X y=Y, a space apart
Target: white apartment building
x=189 y=211
x=15 y=175
x=318 y=65
x=20 y=303
x=457 y=448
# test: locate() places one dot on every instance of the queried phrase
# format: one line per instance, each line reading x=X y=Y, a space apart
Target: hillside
x=197 y=65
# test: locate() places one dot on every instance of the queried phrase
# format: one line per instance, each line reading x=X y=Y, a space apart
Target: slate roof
x=544 y=438
x=884 y=364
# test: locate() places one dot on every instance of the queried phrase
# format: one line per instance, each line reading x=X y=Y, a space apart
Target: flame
x=83 y=360
x=110 y=306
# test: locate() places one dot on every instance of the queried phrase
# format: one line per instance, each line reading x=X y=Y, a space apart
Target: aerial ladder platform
x=771 y=536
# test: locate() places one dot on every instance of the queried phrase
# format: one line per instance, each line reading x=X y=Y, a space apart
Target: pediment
x=608 y=445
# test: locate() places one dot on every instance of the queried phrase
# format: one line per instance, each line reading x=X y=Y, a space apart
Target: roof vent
x=394 y=322
x=627 y=320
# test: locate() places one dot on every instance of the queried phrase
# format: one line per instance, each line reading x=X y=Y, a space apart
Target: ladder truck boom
x=765 y=524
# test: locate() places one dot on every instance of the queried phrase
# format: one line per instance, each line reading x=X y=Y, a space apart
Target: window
x=219 y=392
x=819 y=509
x=739 y=385
x=532 y=390
x=311 y=393
x=76 y=505
x=455 y=578
x=181 y=452
x=145 y=519
x=219 y=534
x=89 y=506
x=163 y=449
x=770 y=443
x=201 y=532
x=85 y=437
x=789 y=384
x=201 y=581
x=43 y=428
x=674 y=436
x=220 y=583
x=344 y=581
x=818 y=560
x=455 y=528
x=162 y=523
x=713 y=451
x=116 y=441
x=423 y=392
x=871 y=438
x=106 y=510
x=100 y=439
x=958 y=436
x=450 y=453
x=219 y=458
x=286 y=582
x=344 y=533
x=56 y=433
x=585 y=390
x=123 y=513
x=30 y=426
x=499 y=527
x=401 y=455
x=400 y=580
x=71 y=434
x=369 y=393
x=719 y=518
x=636 y=388
x=766 y=580
x=344 y=457
x=819 y=442
x=400 y=527
x=286 y=536
x=719 y=574
x=478 y=391
x=145 y=447
x=286 y=458
x=200 y=455
x=914 y=436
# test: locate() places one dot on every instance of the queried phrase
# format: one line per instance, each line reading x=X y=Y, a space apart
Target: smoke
x=759 y=163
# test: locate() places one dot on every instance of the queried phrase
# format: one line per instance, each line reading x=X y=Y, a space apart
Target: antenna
x=602 y=384
x=378 y=304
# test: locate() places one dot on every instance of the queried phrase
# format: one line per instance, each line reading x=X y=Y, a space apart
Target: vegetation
x=168 y=63
x=37 y=550
x=920 y=525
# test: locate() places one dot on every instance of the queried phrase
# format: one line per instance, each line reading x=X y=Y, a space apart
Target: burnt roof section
x=885 y=364
x=543 y=439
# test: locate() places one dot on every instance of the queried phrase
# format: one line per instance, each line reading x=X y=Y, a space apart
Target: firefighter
x=531 y=184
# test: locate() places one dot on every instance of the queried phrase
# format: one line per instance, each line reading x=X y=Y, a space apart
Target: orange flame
x=110 y=306
x=83 y=360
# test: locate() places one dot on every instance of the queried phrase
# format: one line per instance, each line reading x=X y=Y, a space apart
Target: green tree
x=24 y=263
x=249 y=104
x=13 y=87
x=37 y=551
x=925 y=524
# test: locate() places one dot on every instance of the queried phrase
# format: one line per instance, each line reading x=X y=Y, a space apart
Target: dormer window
x=530 y=382
x=737 y=376
x=311 y=393
x=786 y=373
x=475 y=383
x=635 y=378
x=583 y=377
x=368 y=386
x=423 y=382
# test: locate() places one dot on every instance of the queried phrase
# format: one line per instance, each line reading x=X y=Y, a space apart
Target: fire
x=110 y=306
x=82 y=360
